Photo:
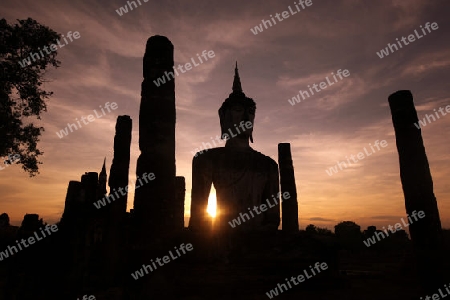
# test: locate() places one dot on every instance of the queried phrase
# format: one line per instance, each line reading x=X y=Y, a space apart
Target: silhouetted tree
x=323 y=231
x=4 y=220
x=347 y=227
x=310 y=228
x=30 y=224
x=401 y=235
x=349 y=235
x=369 y=232
x=7 y=232
x=20 y=92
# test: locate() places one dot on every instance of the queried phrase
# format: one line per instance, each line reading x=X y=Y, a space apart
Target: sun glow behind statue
x=212 y=203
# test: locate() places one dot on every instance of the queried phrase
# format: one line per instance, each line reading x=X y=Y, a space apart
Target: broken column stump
x=289 y=207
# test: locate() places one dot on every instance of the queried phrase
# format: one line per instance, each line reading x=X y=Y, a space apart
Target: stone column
x=153 y=202
x=89 y=182
x=118 y=179
x=73 y=222
x=179 y=204
x=73 y=204
x=289 y=207
x=426 y=232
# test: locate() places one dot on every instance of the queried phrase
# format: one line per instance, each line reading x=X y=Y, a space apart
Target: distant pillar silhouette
x=89 y=182
x=118 y=181
x=73 y=202
x=179 y=203
x=289 y=207
x=120 y=166
x=154 y=201
x=426 y=233
x=74 y=207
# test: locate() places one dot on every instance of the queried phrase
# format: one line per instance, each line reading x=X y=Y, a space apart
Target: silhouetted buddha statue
x=243 y=178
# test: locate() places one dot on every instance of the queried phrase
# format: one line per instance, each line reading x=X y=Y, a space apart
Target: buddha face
x=236 y=119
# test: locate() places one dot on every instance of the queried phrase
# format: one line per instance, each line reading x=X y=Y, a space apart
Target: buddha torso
x=243 y=178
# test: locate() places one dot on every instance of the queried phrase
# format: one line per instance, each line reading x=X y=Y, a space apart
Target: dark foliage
x=21 y=95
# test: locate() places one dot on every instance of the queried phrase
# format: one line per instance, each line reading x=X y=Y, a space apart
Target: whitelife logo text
x=411 y=38
x=35 y=56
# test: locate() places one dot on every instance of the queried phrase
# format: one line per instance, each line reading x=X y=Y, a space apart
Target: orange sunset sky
x=105 y=65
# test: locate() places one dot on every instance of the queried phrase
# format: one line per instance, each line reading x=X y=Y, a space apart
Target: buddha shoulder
x=209 y=154
x=265 y=159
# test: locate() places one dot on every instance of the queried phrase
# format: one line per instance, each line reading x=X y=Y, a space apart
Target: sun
x=212 y=203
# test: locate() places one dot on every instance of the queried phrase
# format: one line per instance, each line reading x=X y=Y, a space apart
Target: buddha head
x=236 y=112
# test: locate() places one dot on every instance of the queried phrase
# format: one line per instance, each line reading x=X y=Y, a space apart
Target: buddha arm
x=201 y=186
